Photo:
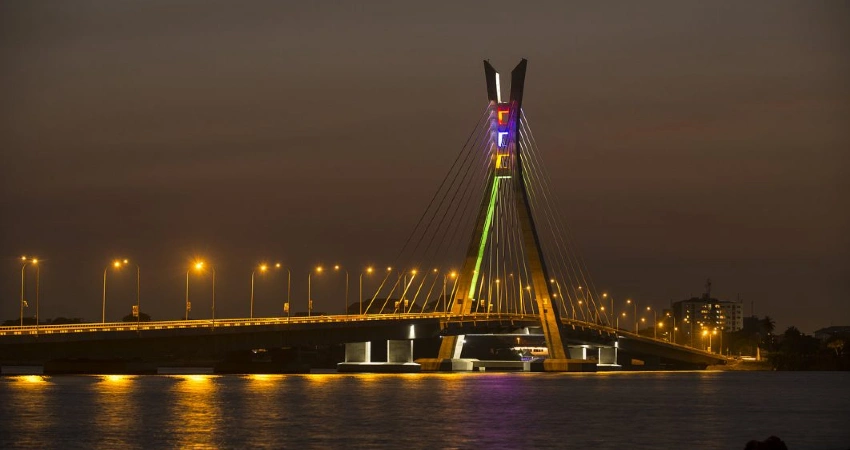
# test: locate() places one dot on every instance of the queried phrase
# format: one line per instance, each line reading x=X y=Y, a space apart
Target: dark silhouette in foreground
x=771 y=443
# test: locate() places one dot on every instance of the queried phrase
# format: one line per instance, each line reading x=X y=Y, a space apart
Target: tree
x=131 y=318
x=836 y=345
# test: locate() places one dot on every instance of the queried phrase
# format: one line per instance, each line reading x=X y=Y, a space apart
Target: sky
x=686 y=141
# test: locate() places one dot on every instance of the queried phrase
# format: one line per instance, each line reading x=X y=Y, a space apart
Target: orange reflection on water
x=116 y=409
x=30 y=399
x=367 y=377
x=196 y=412
x=31 y=379
x=318 y=378
x=263 y=382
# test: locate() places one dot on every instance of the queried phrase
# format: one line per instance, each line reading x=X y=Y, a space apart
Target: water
x=709 y=410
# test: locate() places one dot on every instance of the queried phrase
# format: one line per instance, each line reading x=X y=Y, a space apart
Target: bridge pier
x=608 y=358
x=358 y=358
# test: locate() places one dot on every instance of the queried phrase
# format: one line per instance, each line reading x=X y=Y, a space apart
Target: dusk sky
x=686 y=140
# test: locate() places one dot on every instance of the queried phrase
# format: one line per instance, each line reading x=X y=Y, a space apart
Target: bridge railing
x=237 y=322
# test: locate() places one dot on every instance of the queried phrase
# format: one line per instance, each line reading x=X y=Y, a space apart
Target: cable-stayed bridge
x=494 y=215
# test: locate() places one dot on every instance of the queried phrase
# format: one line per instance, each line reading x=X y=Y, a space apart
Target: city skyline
x=676 y=157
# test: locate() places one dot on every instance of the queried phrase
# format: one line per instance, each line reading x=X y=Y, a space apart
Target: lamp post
x=369 y=270
x=604 y=296
x=117 y=264
x=198 y=266
x=582 y=301
x=673 y=331
x=337 y=267
x=24 y=263
x=655 y=322
x=499 y=296
x=288 y=304
x=263 y=268
x=453 y=275
x=138 y=297
x=309 y=291
x=37 y=282
x=618 y=320
x=188 y=305
x=630 y=302
x=720 y=345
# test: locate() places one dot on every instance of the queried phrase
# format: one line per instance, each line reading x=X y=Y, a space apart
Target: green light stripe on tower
x=494 y=192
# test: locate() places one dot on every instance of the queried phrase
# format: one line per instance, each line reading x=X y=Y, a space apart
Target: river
x=636 y=410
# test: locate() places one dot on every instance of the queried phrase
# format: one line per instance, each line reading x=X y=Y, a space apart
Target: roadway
x=208 y=338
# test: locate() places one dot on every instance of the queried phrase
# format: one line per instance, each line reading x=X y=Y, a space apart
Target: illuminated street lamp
x=37 y=287
x=309 y=290
x=337 y=268
x=630 y=302
x=452 y=275
x=675 y=328
x=117 y=264
x=199 y=266
x=618 y=320
x=655 y=326
x=404 y=302
x=262 y=268
x=24 y=263
x=369 y=271
x=288 y=304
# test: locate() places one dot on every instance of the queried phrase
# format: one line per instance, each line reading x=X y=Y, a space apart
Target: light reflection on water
x=116 y=409
x=195 y=410
x=614 y=410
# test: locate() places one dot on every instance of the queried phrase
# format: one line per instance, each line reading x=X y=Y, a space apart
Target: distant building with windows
x=706 y=313
x=827 y=333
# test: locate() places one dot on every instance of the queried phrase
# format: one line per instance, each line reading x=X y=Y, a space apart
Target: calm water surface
x=709 y=410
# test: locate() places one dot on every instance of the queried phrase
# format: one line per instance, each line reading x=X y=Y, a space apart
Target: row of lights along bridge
x=200 y=266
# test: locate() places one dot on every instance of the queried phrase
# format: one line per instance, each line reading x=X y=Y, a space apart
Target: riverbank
x=743 y=365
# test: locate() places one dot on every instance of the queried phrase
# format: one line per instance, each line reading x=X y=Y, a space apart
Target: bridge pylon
x=506 y=162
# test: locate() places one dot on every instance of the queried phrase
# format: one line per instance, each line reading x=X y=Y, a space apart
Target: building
x=828 y=333
x=706 y=313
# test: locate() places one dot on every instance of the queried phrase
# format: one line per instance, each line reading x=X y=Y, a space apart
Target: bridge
x=168 y=343
x=521 y=280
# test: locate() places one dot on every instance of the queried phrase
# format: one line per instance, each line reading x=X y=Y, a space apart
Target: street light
x=310 y=289
x=673 y=331
x=37 y=282
x=117 y=264
x=369 y=270
x=604 y=296
x=630 y=302
x=618 y=320
x=288 y=304
x=24 y=263
x=337 y=267
x=263 y=268
x=404 y=302
x=655 y=318
x=453 y=275
x=199 y=266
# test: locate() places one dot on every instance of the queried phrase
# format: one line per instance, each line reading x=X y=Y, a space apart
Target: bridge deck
x=576 y=332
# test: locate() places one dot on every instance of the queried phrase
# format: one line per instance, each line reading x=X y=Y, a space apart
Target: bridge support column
x=608 y=358
x=358 y=352
x=451 y=362
x=579 y=352
x=358 y=358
